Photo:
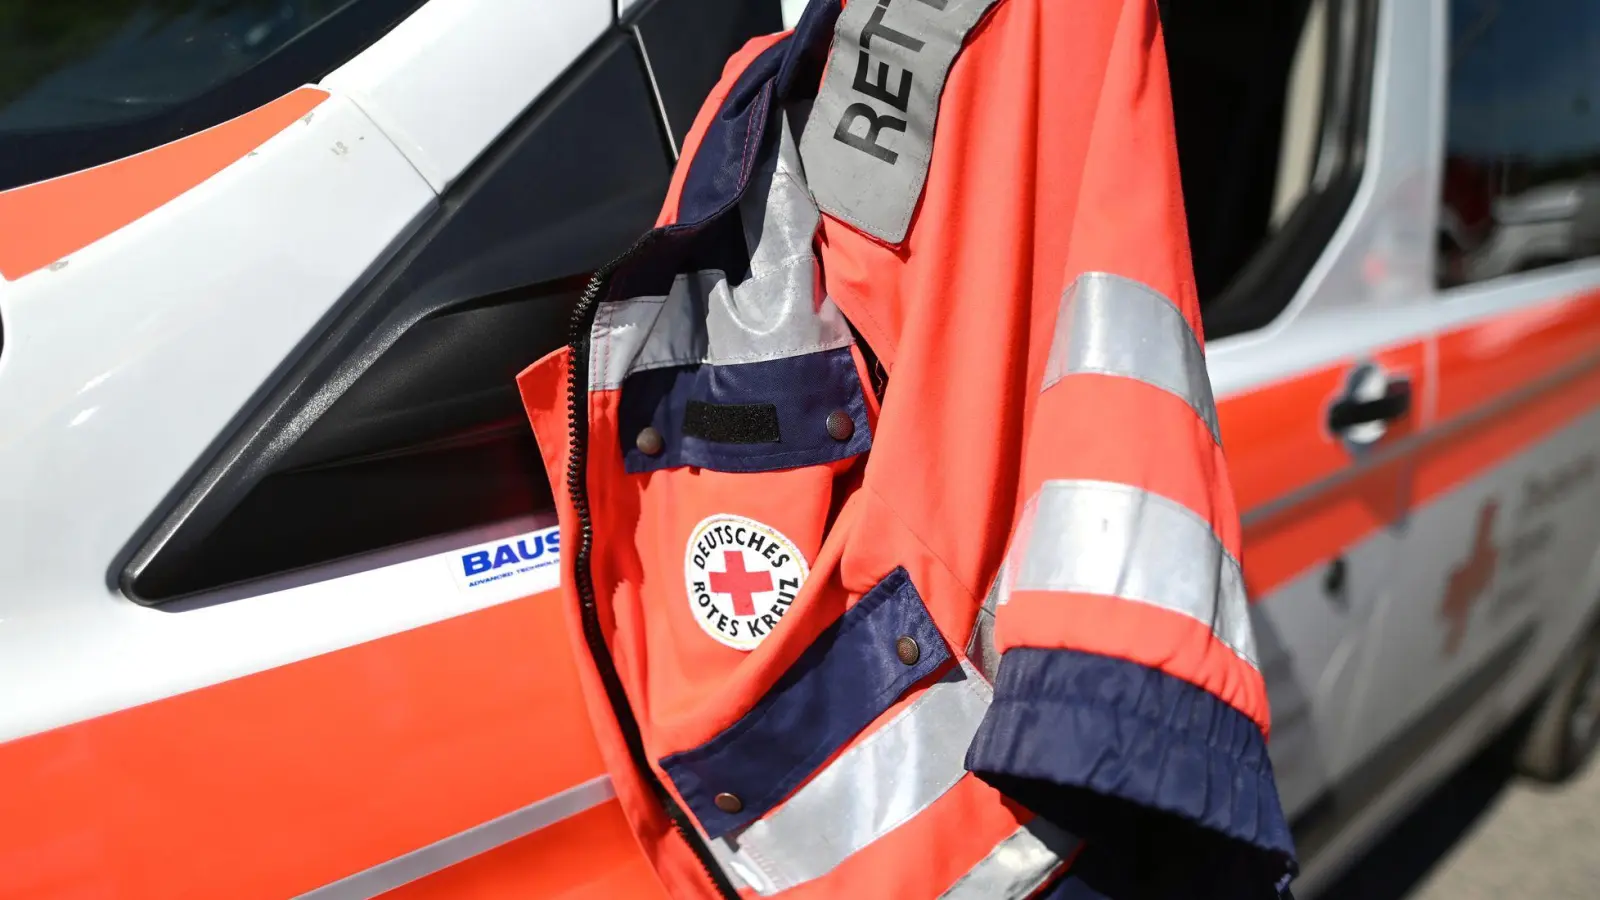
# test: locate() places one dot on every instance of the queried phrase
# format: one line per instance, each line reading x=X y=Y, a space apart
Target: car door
x=1505 y=486
x=1320 y=345
x=276 y=553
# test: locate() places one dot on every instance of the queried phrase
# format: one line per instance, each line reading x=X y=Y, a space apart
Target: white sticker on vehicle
x=531 y=562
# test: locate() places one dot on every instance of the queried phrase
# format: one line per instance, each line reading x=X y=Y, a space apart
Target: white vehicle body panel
x=122 y=365
x=449 y=79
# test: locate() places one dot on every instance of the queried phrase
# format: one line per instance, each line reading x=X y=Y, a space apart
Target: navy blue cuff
x=1170 y=787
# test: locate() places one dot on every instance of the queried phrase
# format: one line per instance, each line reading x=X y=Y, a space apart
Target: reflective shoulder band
x=706 y=317
x=1110 y=325
x=1097 y=537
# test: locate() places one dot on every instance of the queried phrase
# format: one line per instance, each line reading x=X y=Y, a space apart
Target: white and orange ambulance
x=277 y=552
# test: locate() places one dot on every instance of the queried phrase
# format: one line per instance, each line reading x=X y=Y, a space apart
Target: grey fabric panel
x=868 y=791
x=1018 y=865
x=702 y=321
x=772 y=313
x=1096 y=537
x=867 y=145
x=1112 y=325
x=980 y=647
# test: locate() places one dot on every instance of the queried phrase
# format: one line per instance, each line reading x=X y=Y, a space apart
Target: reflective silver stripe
x=704 y=321
x=1017 y=866
x=980 y=647
x=1096 y=537
x=871 y=789
x=479 y=839
x=772 y=313
x=1110 y=325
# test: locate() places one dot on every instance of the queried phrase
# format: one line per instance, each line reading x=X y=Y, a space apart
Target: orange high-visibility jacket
x=901 y=555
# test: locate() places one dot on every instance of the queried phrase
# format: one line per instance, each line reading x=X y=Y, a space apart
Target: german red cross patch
x=742 y=576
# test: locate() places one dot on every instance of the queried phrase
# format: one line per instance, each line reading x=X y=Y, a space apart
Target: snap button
x=728 y=803
x=905 y=647
x=840 y=425
x=649 y=442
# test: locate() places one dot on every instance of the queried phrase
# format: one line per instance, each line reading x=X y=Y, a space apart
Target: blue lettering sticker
x=473 y=563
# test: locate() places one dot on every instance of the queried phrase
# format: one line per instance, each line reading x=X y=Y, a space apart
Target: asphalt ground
x=1488 y=834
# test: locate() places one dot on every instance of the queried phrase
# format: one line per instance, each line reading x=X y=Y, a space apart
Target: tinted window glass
x=83 y=82
x=1270 y=106
x=1522 y=146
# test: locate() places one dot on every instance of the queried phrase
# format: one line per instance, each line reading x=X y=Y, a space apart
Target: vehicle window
x=83 y=82
x=1269 y=102
x=1521 y=183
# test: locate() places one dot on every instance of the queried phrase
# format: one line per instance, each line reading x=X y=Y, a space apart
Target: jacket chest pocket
x=739 y=468
x=735 y=392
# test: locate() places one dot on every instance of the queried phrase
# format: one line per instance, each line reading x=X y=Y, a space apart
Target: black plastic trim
x=574 y=180
x=689 y=41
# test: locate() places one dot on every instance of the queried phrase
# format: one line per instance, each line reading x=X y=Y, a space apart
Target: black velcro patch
x=731 y=423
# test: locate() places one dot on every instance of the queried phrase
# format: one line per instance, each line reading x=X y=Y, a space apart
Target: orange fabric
x=1141 y=633
x=41 y=223
x=544 y=392
x=590 y=856
x=277 y=783
x=1095 y=420
x=1127 y=218
x=1025 y=82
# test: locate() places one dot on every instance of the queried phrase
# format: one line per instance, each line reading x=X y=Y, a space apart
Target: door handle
x=1349 y=412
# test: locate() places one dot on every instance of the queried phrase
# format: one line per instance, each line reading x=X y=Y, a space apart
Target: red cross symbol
x=742 y=586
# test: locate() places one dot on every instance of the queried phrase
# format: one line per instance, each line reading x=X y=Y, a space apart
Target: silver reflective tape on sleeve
x=867 y=144
x=1017 y=866
x=1110 y=325
x=868 y=791
x=772 y=313
x=1097 y=537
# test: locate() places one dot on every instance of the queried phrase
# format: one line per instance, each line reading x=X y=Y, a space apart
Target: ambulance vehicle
x=277 y=556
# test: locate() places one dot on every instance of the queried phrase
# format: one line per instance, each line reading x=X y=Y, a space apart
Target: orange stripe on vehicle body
x=41 y=223
x=1485 y=416
x=591 y=856
x=1279 y=548
x=1472 y=450
x=280 y=782
x=1487 y=361
x=1272 y=455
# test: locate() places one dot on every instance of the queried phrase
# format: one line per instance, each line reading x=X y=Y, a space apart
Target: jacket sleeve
x=1129 y=707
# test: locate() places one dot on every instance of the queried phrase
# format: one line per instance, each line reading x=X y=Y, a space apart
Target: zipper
x=577 y=489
